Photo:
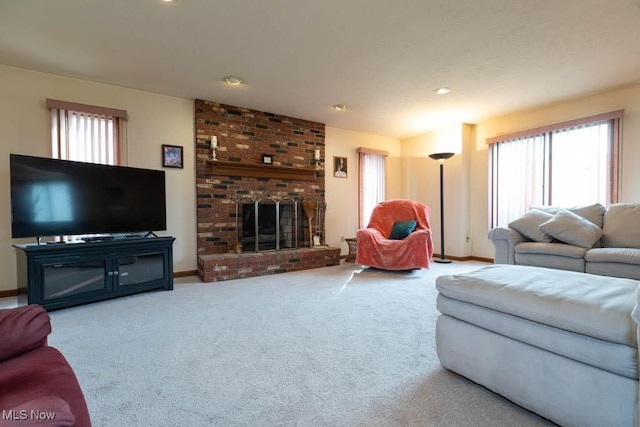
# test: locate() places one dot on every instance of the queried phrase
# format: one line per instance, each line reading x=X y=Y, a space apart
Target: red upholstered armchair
x=376 y=249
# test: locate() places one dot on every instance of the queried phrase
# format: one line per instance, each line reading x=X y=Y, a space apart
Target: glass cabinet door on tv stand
x=58 y=276
x=139 y=268
x=65 y=278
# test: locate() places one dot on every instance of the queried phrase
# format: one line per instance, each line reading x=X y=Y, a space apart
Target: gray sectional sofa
x=591 y=239
x=559 y=343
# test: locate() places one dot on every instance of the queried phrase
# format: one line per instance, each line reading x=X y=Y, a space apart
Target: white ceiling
x=383 y=58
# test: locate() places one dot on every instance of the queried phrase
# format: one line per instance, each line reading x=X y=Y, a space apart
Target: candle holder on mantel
x=214 y=147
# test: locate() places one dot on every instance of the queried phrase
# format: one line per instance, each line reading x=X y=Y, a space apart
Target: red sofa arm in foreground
x=37 y=385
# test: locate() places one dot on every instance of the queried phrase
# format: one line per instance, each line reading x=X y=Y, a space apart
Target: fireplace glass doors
x=268 y=224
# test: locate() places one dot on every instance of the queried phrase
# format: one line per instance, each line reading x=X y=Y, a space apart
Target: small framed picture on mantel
x=267 y=159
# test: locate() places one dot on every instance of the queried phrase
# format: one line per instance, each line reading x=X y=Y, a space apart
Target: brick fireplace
x=239 y=177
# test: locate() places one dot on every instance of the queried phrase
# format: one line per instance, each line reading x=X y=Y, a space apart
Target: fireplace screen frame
x=257 y=202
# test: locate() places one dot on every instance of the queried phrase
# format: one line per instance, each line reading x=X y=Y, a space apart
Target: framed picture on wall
x=172 y=156
x=339 y=167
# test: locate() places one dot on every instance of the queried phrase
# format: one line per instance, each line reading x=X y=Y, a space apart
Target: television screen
x=51 y=197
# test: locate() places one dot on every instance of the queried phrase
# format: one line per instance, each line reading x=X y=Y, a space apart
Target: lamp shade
x=441 y=156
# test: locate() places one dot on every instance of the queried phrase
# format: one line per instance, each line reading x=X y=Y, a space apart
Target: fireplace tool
x=318 y=238
x=309 y=208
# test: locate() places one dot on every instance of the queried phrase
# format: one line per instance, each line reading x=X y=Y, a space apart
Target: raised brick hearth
x=238 y=173
x=218 y=267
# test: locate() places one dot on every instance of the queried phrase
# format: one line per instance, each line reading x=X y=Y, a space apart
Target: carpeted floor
x=334 y=346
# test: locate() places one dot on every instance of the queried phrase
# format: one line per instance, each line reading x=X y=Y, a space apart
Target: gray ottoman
x=559 y=343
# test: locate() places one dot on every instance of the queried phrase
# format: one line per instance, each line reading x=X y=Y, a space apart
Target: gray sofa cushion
x=595 y=306
x=559 y=249
x=551 y=261
x=622 y=226
x=529 y=225
x=617 y=358
x=593 y=213
x=618 y=255
x=614 y=269
x=573 y=229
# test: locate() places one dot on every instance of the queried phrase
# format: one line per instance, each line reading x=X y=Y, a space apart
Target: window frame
x=119 y=118
x=615 y=117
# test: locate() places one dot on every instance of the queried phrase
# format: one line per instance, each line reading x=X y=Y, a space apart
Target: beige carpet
x=334 y=346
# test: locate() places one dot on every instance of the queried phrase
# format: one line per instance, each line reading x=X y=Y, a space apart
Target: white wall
x=153 y=120
x=342 y=193
x=467 y=174
x=421 y=182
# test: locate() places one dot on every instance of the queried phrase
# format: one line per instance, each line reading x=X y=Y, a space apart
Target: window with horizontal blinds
x=564 y=164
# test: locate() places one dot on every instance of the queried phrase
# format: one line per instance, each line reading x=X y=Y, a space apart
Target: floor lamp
x=441 y=157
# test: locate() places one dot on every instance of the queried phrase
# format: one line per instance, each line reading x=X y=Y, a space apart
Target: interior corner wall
x=153 y=120
x=420 y=179
x=342 y=193
x=627 y=98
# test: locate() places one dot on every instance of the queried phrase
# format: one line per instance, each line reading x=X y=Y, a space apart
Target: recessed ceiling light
x=232 y=80
x=170 y=1
x=443 y=90
x=340 y=107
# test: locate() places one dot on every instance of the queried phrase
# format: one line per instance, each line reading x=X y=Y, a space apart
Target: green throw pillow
x=402 y=229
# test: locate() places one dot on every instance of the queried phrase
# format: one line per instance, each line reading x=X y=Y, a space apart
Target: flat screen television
x=51 y=197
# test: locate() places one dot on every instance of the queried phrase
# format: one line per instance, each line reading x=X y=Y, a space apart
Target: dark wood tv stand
x=65 y=275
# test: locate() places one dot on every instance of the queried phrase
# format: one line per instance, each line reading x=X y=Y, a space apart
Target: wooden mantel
x=260 y=171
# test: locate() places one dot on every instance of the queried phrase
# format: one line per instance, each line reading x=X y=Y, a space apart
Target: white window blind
x=86 y=133
x=519 y=170
x=372 y=181
x=580 y=164
x=566 y=164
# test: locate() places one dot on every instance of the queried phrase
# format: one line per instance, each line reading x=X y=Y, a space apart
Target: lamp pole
x=441 y=157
